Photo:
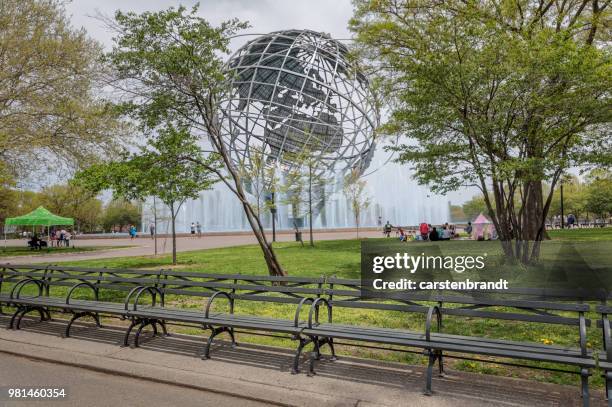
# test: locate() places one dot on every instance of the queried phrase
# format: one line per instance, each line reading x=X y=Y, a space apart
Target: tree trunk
x=310 y=203
x=173 y=215
x=213 y=127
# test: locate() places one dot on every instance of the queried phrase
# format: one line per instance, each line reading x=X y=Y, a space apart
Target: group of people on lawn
x=57 y=238
x=426 y=232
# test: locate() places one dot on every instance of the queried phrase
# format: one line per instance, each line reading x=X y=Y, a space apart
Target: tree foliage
x=499 y=95
x=120 y=214
x=170 y=167
x=169 y=68
x=354 y=190
x=50 y=106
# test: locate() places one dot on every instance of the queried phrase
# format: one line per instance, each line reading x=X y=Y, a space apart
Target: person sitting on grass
x=433 y=235
x=34 y=242
x=402 y=235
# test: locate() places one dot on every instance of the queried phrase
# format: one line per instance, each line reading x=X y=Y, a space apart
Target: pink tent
x=482 y=228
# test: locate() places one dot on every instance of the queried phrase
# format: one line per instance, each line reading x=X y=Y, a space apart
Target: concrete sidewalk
x=262 y=374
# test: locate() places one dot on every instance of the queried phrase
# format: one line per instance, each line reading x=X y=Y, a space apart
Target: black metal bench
x=605 y=358
x=147 y=291
x=148 y=298
x=347 y=294
x=123 y=284
x=297 y=291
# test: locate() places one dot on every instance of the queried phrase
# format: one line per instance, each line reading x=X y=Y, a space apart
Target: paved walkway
x=144 y=246
x=255 y=373
x=85 y=387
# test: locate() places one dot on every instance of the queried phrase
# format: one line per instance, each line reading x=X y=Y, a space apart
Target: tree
x=72 y=201
x=259 y=179
x=120 y=213
x=501 y=96
x=159 y=169
x=599 y=194
x=51 y=112
x=169 y=67
x=475 y=206
x=354 y=189
x=574 y=196
x=457 y=213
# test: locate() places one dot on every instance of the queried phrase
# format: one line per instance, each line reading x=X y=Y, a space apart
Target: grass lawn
x=587 y=234
x=25 y=251
x=342 y=259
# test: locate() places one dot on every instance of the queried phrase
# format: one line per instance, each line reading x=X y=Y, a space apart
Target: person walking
x=132 y=232
x=199 y=229
x=387 y=229
x=152 y=229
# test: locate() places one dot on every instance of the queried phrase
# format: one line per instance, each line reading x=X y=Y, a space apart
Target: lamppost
x=562 y=217
x=273 y=211
x=270 y=199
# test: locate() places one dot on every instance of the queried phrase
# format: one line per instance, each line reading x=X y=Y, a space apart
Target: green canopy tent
x=38 y=217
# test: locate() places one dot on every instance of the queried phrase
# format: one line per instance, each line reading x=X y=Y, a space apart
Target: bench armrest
x=212 y=298
x=82 y=284
x=314 y=309
x=430 y=313
x=606 y=336
x=151 y=290
x=296 y=319
x=129 y=296
x=16 y=291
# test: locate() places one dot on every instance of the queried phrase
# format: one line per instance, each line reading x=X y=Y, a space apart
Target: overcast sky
x=330 y=16
x=264 y=16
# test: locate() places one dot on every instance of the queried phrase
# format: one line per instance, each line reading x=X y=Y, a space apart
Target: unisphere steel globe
x=296 y=92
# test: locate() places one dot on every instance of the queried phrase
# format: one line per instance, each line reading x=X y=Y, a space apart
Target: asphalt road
x=86 y=388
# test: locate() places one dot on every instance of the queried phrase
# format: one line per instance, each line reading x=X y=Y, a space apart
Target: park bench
x=105 y=288
x=605 y=359
x=154 y=287
x=234 y=289
x=133 y=294
x=530 y=308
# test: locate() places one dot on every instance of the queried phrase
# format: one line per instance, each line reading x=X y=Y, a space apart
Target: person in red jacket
x=424 y=229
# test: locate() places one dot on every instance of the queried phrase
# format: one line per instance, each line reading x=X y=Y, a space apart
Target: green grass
x=342 y=259
x=587 y=234
x=25 y=251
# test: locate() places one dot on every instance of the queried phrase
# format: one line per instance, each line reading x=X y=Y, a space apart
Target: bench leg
x=162 y=324
x=144 y=323
x=78 y=315
x=316 y=353
x=584 y=379
x=14 y=317
x=433 y=355
x=608 y=377
x=126 y=338
x=298 y=353
x=440 y=364
x=22 y=311
x=215 y=332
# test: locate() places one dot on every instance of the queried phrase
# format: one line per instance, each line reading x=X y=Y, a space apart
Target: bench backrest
x=242 y=287
x=112 y=284
x=527 y=305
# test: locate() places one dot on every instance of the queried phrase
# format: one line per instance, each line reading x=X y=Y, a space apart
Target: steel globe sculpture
x=293 y=92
